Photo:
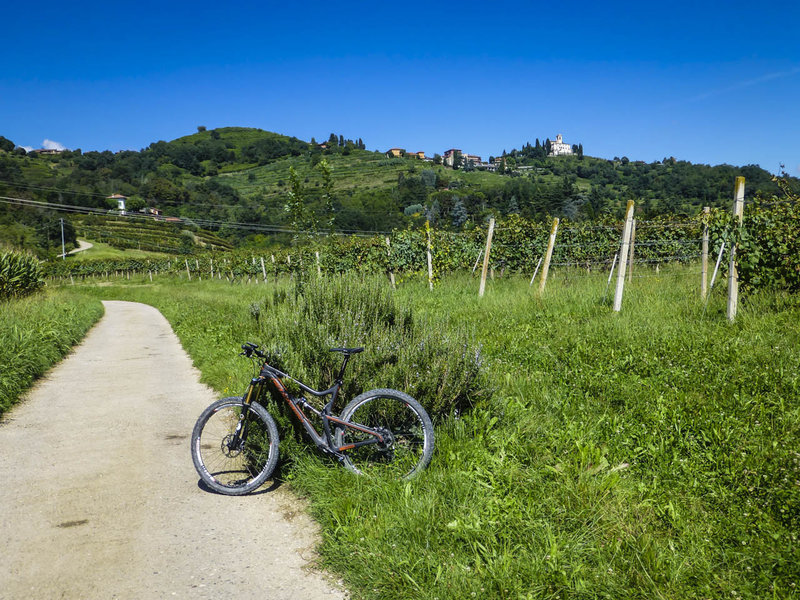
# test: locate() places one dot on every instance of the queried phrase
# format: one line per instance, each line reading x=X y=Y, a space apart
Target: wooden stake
x=623 y=256
x=633 y=247
x=430 y=256
x=188 y=274
x=486 y=257
x=389 y=254
x=263 y=270
x=733 y=271
x=704 y=259
x=548 y=255
x=211 y=261
x=319 y=268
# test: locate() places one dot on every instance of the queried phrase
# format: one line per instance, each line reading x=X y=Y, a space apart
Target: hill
x=236 y=181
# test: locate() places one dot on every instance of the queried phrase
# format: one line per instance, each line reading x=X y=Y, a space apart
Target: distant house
x=420 y=155
x=120 y=200
x=466 y=159
x=395 y=152
x=449 y=156
x=150 y=210
x=559 y=148
x=47 y=151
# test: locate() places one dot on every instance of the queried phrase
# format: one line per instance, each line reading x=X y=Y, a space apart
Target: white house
x=559 y=148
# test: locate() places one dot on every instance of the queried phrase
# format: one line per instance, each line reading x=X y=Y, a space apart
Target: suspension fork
x=240 y=434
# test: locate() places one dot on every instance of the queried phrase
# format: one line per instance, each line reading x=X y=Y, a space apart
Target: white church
x=559 y=148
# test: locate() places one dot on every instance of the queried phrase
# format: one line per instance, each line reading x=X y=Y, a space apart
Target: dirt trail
x=99 y=498
x=82 y=245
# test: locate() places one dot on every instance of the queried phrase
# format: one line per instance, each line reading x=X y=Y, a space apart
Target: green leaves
x=20 y=275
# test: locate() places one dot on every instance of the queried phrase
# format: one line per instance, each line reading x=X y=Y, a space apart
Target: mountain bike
x=235 y=440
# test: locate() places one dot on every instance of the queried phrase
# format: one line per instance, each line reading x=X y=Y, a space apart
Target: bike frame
x=324 y=440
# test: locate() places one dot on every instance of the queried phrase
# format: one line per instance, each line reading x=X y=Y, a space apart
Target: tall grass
x=35 y=333
x=647 y=454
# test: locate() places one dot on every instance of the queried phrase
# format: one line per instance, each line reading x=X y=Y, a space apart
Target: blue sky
x=708 y=82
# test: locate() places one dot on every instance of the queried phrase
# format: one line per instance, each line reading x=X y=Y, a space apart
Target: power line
x=187 y=220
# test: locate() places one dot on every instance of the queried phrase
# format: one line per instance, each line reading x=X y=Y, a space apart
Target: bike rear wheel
x=229 y=467
x=407 y=431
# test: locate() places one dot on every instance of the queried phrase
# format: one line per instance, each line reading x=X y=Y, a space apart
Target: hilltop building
x=559 y=148
x=395 y=152
x=120 y=199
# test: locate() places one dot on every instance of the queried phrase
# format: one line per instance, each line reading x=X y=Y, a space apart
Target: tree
x=437 y=159
x=6 y=144
x=459 y=215
x=201 y=128
x=299 y=219
x=327 y=193
x=457 y=160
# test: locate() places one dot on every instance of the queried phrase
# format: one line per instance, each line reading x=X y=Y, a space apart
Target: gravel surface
x=99 y=497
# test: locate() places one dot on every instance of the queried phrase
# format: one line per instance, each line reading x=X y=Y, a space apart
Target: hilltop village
x=457 y=158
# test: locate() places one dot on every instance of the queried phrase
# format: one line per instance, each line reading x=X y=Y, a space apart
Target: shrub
x=20 y=275
x=443 y=369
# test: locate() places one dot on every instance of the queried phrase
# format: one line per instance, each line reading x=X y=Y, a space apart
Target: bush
x=442 y=369
x=20 y=275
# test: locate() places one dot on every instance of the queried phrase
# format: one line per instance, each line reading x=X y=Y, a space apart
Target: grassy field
x=647 y=454
x=38 y=331
x=101 y=251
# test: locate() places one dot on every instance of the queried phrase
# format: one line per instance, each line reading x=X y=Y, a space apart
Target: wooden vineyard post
x=430 y=256
x=188 y=273
x=733 y=273
x=389 y=254
x=633 y=247
x=623 y=256
x=704 y=257
x=548 y=255
x=211 y=262
x=486 y=257
x=263 y=270
x=319 y=268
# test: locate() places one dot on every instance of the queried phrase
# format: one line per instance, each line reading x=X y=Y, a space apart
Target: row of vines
x=518 y=243
x=768 y=249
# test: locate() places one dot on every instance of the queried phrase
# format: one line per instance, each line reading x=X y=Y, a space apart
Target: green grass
x=647 y=454
x=101 y=251
x=36 y=332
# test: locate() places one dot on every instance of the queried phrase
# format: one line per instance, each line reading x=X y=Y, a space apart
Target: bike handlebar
x=249 y=348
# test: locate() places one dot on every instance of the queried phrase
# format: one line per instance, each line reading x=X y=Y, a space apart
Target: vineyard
x=151 y=235
x=518 y=245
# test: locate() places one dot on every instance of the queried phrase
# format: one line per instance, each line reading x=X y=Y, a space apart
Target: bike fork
x=240 y=434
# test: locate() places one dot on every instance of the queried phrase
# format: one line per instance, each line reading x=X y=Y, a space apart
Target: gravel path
x=99 y=498
x=82 y=245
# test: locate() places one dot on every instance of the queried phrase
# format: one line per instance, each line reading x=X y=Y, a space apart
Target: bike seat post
x=344 y=366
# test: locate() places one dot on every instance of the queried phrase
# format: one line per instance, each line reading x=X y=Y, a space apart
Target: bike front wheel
x=405 y=426
x=230 y=463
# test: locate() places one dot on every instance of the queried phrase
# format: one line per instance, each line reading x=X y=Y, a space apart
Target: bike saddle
x=347 y=351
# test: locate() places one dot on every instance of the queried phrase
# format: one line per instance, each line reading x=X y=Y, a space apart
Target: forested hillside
x=249 y=185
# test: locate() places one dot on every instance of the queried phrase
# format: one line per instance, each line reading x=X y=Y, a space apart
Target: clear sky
x=708 y=82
